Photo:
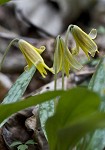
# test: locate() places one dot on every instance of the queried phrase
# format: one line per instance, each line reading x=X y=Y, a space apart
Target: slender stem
x=63 y=79
x=6 y=51
x=55 y=88
x=55 y=81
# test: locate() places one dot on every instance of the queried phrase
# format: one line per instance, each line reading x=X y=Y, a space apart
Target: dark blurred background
x=39 y=22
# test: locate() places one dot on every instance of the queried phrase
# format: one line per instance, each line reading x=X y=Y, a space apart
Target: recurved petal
x=28 y=62
x=57 y=62
x=39 y=50
x=73 y=62
x=93 y=34
x=57 y=65
x=75 y=50
x=48 y=68
x=66 y=67
x=41 y=69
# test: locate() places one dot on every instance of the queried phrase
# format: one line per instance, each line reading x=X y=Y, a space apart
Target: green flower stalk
x=33 y=57
x=83 y=40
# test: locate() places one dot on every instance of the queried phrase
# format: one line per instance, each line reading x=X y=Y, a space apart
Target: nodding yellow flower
x=63 y=59
x=33 y=57
x=84 y=41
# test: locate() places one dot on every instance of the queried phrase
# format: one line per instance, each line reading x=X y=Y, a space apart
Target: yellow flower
x=63 y=59
x=84 y=41
x=33 y=57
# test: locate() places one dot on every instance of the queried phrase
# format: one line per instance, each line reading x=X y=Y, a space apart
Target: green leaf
x=75 y=107
x=19 y=87
x=8 y=109
x=15 y=143
x=3 y=1
x=69 y=136
x=22 y=147
x=30 y=142
x=97 y=84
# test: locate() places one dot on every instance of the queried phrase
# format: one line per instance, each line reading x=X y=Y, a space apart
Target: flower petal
x=73 y=62
x=28 y=62
x=39 y=50
x=70 y=58
x=29 y=51
x=93 y=34
x=67 y=66
x=57 y=65
x=84 y=41
x=75 y=50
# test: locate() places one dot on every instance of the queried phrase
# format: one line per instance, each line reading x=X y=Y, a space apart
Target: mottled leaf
x=19 y=87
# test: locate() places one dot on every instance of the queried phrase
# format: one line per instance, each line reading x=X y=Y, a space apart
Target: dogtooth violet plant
x=32 y=56
x=63 y=61
x=63 y=58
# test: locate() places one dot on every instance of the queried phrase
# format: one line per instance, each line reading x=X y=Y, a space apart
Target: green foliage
x=97 y=84
x=30 y=142
x=76 y=114
x=3 y=1
x=15 y=143
x=8 y=109
x=21 y=146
